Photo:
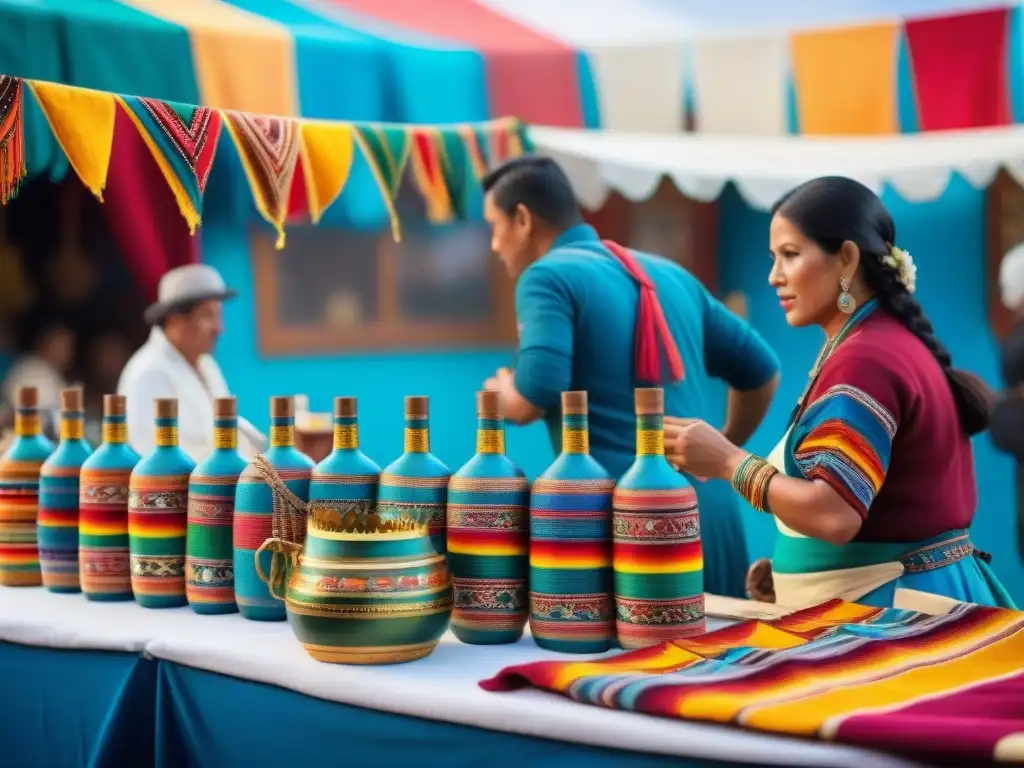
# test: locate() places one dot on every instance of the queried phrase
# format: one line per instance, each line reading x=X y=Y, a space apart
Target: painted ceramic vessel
x=656 y=551
x=58 y=498
x=209 y=555
x=371 y=587
x=19 y=494
x=571 y=605
x=254 y=513
x=488 y=536
x=103 y=560
x=157 y=514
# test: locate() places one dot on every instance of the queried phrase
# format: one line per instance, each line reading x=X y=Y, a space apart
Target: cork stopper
x=72 y=399
x=165 y=407
x=114 y=405
x=225 y=408
x=574 y=403
x=649 y=400
x=417 y=407
x=28 y=397
x=488 y=405
x=282 y=407
x=345 y=407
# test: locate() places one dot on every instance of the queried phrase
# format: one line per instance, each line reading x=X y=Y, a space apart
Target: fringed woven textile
x=949 y=687
x=183 y=140
x=386 y=149
x=12 y=138
x=269 y=150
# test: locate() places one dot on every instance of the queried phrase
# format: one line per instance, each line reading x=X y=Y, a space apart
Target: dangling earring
x=846 y=303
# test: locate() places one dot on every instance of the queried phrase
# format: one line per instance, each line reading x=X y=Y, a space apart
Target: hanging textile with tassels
x=288 y=530
x=12 y=138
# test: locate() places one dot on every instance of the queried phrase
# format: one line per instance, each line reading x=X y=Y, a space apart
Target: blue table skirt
x=76 y=709
x=206 y=720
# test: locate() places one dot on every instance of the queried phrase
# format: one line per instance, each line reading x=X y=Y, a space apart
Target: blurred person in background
x=1008 y=417
x=48 y=353
x=581 y=310
x=105 y=356
x=177 y=362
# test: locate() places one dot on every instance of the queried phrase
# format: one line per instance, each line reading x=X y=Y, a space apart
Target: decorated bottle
x=254 y=513
x=19 y=494
x=103 y=560
x=58 y=498
x=209 y=553
x=488 y=536
x=571 y=605
x=158 y=514
x=417 y=478
x=656 y=551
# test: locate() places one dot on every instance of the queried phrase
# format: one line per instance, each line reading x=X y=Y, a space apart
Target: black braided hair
x=833 y=210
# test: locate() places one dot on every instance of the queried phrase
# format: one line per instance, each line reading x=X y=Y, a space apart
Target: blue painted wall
x=946 y=238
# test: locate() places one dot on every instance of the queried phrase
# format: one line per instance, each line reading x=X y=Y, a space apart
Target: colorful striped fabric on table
x=158 y=514
x=941 y=687
x=58 y=498
x=488 y=536
x=571 y=603
x=209 y=555
x=103 y=560
x=254 y=513
x=656 y=548
x=19 y=494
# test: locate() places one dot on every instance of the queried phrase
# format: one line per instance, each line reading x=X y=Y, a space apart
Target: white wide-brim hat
x=186 y=285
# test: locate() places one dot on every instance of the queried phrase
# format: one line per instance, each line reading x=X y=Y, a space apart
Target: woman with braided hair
x=872 y=487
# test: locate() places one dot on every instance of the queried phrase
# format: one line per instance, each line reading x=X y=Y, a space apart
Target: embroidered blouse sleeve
x=845 y=435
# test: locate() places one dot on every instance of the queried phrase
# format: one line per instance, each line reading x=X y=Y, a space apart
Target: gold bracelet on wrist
x=751 y=480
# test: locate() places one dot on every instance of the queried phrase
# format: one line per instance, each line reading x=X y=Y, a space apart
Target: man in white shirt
x=177 y=362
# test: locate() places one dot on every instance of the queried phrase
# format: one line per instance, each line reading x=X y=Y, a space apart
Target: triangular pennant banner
x=386 y=149
x=428 y=173
x=269 y=150
x=12 y=138
x=475 y=142
x=454 y=162
x=183 y=140
x=82 y=120
x=327 y=153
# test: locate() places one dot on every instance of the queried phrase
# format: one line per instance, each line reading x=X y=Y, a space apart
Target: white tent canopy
x=918 y=167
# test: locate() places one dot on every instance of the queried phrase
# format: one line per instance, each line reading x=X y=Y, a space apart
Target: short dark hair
x=537 y=183
x=184 y=308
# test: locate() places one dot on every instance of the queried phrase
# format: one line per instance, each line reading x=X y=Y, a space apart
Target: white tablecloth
x=441 y=687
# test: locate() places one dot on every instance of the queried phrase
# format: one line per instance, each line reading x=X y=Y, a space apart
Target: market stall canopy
x=918 y=167
x=747 y=67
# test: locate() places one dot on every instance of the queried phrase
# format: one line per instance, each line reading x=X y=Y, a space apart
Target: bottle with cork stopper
x=58 y=497
x=488 y=536
x=209 y=554
x=20 y=465
x=283 y=465
x=103 y=558
x=158 y=514
x=570 y=543
x=417 y=479
x=657 y=558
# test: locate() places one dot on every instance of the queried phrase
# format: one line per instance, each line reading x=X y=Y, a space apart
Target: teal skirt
x=970 y=580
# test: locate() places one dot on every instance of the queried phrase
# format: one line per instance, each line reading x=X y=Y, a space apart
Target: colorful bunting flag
x=12 y=138
x=292 y=165
x=269 y=150
x=386 y=148
x=327 y=153
x=82 y=120
x=183 y=141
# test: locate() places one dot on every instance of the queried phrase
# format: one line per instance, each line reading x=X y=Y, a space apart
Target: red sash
x=652 y=333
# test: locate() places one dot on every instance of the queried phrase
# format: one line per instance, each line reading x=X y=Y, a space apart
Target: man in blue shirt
x=577 y=308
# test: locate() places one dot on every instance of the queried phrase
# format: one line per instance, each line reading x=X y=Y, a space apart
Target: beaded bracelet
x=751 y=480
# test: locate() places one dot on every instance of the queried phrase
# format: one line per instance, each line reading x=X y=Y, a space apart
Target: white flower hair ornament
x=906 y=270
